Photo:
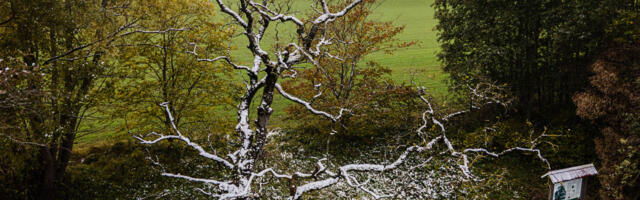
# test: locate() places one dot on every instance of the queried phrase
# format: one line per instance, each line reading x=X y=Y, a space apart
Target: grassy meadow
x=413 y=65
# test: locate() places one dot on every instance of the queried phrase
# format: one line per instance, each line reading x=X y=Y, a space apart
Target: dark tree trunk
x=264 y=113
x=49 y=177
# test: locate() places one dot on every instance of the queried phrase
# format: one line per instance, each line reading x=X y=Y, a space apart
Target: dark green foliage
x=612 y=103
x=18 y=170
x=539 y=49
x=542 y=51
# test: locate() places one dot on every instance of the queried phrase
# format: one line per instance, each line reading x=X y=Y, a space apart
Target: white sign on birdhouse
x=569 y=183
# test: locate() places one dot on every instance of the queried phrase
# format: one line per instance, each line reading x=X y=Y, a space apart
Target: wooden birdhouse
x=570 y=183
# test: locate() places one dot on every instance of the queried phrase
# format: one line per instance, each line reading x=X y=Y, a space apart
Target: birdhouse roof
x=571 y=173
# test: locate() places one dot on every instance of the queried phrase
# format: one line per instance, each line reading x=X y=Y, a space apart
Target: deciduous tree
x=155 y=66
x=612 y=103
x=538 y=48
x=343 y=80
x=243 y=172
x=60 y=49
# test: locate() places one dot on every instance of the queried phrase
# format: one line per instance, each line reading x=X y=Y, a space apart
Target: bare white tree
x=242 y=177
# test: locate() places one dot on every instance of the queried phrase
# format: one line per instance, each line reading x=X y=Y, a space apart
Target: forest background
x=80 y=78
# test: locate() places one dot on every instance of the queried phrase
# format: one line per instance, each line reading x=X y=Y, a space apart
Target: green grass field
x=417 y=63
x=413 y=65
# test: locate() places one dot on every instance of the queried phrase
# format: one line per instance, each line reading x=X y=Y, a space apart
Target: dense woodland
x=304 y=113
